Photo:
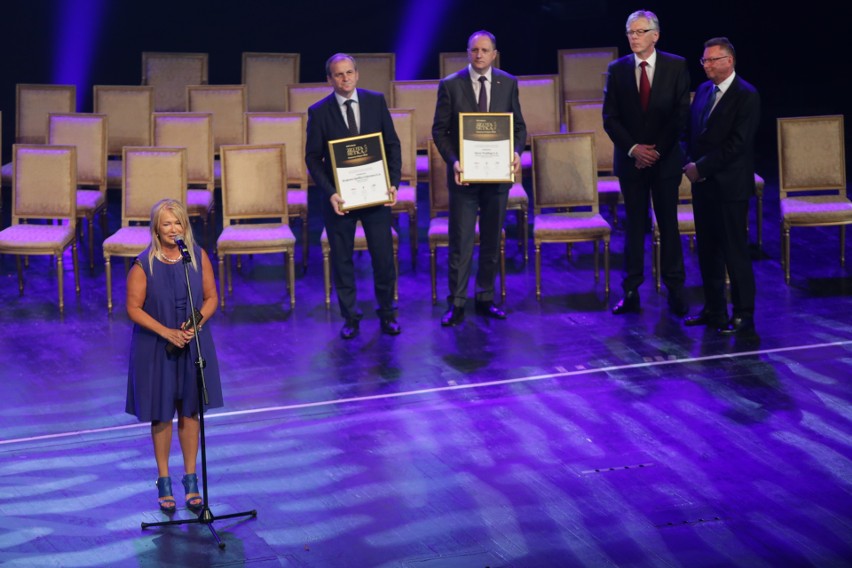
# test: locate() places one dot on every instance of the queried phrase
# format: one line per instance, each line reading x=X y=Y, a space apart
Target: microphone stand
x=205 y=516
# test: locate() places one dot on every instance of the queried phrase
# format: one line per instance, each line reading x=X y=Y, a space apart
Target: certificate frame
x=486 y=147
x=360 y=169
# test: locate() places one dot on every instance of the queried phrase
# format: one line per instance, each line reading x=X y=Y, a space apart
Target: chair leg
x=433 y=273
x=842 y=246
x=19 y=266
x=785 y=252
x=222 y=260
x=59 y=271
x=291 y=276
x=657 y=261
x=91 y=224
x=228 y=272
x=524 y=233
x=606 y=268
x=538 y=271
x=108 y=270
x=597 y=262
x=304 y=218
x=326 y=277
x=76 y=264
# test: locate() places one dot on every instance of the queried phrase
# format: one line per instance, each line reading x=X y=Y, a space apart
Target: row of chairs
x=267 y=75
x=254 y=204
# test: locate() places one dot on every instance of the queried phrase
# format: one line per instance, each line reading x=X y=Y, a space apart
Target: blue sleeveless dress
x=159 y=384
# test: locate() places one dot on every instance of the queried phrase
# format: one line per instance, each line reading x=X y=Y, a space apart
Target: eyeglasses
x=706 y=60
x=639 y=33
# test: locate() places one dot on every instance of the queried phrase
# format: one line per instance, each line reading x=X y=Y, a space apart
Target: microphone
x=184 y=251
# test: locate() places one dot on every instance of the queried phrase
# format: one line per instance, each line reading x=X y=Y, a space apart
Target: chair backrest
x=302 y=95
x=582 y=71
x=128 y=109
x=403 y=123
x=190 y=130
x=811 y=154
x=44 y=182
x=422 y=96
x=286 y=128
x=376 y=71
x=266 y=76
x=170 y=74
x=565 y=172
x=227 y=104
x=453 y=61
x=254 y=182
x=34 y=103
x=539 y=96
x=88 y=133
x=587 y=116
x=150 y=174
x=439 y=191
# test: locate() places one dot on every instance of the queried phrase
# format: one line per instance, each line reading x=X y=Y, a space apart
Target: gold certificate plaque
x=486 y=148
x=360 y=171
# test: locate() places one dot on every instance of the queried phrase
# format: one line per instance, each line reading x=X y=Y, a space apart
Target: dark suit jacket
x=455 y=95
x=325 y=122
x=663 y=124
x=723 y=151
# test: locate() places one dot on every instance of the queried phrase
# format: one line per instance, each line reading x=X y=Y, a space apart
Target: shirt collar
x=341 y=100
x=474 y=76
x=724 y=85
x=652 y=60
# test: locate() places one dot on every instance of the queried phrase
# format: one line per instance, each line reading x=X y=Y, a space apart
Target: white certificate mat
x=486 y=148
x=360 y=171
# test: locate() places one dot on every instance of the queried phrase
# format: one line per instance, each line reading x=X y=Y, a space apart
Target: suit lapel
x=628 y=68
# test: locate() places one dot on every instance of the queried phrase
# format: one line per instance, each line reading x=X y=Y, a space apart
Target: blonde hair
x=178 y=210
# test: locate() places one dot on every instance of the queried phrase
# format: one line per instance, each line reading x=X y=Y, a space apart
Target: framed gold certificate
x=360 y=171
x=486 y=147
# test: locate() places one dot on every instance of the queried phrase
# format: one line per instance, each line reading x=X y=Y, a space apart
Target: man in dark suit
x=346 y=112
x=479 y=87
x=645 y=110
x=724 y=119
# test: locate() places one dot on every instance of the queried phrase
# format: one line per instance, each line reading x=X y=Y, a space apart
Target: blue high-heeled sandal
x=190 y=485
x=164 y=495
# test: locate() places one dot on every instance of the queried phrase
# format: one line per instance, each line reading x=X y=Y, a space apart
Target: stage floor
x=564 y=436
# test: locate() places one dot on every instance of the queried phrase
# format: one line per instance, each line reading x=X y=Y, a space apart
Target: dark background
x=791 y=55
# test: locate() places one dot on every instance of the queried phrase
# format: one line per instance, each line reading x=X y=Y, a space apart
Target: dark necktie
x=350 y=118
x=644 y=86
x=483 y=96
x=711 y=100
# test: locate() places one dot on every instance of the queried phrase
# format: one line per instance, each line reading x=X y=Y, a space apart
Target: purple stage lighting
x=418 y=31
x=78 y=25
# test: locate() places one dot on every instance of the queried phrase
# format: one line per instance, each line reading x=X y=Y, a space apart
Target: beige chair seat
x=21 y=239
x=255 y=238
x=360 y=244
x=89 y=200
x=816 y=209
x=129 y=241
x=685 y=219
x=565 y=227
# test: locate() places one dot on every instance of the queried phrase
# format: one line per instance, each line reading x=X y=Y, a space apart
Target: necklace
x=169 y=260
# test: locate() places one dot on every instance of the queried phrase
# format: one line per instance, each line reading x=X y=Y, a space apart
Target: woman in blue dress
x=160 y=382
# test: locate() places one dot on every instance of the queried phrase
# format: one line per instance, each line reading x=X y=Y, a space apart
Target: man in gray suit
x=479 y=87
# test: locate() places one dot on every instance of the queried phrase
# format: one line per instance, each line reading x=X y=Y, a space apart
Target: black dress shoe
x=350 y=329
x=703 y=318
x=738 y=324
x=677 y=304
x=390 y=326
x=453 y=316
x=490 y=310
x=628 y=304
